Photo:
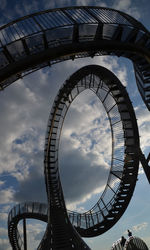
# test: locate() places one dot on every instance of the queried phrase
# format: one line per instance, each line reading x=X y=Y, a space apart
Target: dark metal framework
x=132 y=243
x=135 y=243
x=42 y=39
x=117 y=245
x=60 y=234
x=52 y=36
x=20 y=212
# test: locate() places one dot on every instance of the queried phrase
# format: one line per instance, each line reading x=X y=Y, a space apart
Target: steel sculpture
x=135 y=243
x=47 y=37
x=123 y=170
x=52 y=36
x=132 y=243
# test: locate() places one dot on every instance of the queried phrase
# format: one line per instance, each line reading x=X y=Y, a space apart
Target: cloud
x=80 y=177
x=27 y=7
x=38 y=236
x=35 y=231
x=4 y=244
x=3 y=216
x=6 y=195
x=86 y=150
x=2 y=183
x=139 y=227
x=4 y=210
x=3 y=4
x=89 y=3
x=33 y=181
x=24 y=120
x=26 y=110
x=3 y=231
x=80 y=147
x=122 y=5
x=127 y=7
x=143 y=120
x=65 y=3
x=122 y=75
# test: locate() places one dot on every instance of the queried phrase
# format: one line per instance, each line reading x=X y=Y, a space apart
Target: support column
x=24 y=234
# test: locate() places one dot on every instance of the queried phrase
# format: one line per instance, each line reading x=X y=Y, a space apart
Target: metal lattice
x=123 y=170
x=42 y=39
x=48 y=37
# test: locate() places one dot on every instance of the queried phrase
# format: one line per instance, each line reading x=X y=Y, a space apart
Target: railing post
x=24 y=234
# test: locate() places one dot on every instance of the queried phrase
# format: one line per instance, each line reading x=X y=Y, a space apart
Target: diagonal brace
x=145 y=164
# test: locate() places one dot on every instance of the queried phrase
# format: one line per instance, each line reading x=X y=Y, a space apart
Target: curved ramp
x=135 y=243
x=123 y=170
x=132 y=243
x=42 y=39
x=30 y=210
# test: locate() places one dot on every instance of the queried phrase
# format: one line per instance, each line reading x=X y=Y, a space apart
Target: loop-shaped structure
x=132 y=243
x=52 y=36
x=60 y=234
x=135 y=243
x=31 y=210
x=125 y=144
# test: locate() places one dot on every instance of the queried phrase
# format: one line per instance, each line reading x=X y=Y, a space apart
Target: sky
x=85 y=141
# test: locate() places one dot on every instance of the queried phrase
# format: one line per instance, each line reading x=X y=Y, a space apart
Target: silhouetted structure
x=62 y=227
x=132 y=243
x=52 y=36
x=47 y=37
x=135 y=243
x=122 y=241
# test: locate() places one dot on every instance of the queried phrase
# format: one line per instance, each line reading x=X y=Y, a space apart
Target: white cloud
x=25 y=107
x=85 y=149
x=23 y=129
x=24 y=110
x=139 y=227
x=141 y=170
x=122 y=75
x=6 y=195
x=2 y=183
x=143 y=119
x=35 y=231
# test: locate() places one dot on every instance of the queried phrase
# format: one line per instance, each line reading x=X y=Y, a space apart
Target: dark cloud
x=32 y=188
x=80 y=175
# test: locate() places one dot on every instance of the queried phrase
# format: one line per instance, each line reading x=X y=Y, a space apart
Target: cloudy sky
x=86 y=140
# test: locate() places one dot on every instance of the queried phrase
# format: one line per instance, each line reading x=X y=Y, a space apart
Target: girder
x=52 y=36
x=48 y=37
x=132 y=243
x=123 y=168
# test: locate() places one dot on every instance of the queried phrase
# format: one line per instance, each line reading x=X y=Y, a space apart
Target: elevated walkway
x=132 y=243
x=47 y=37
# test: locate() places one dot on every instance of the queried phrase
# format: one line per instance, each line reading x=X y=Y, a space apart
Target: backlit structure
x=48 y=37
